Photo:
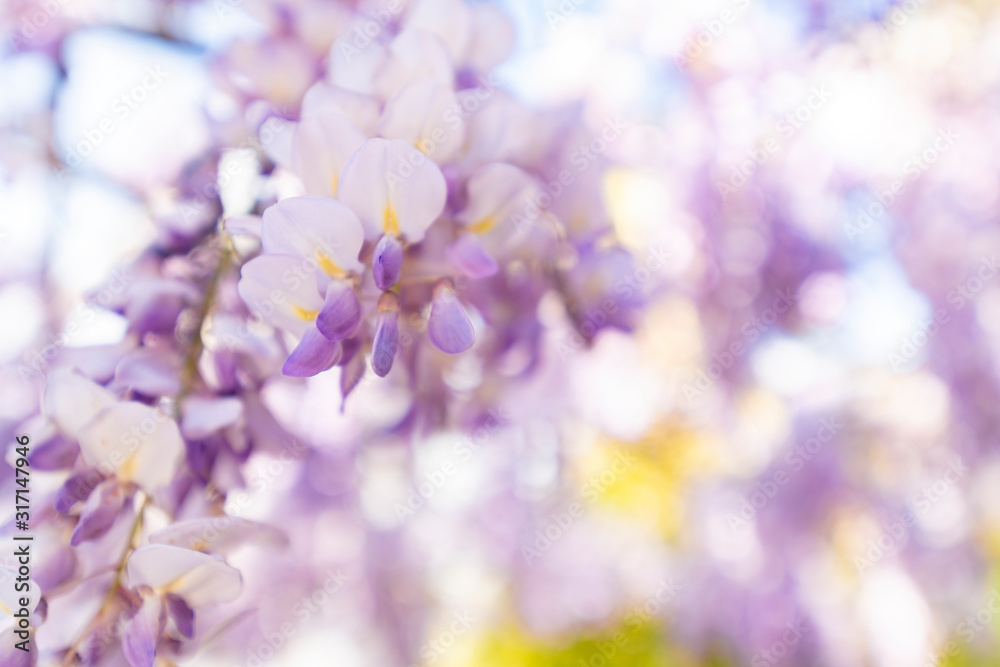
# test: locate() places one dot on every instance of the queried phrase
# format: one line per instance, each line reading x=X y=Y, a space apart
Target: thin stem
x=189 y=375
x=189 y=370
x=109 y=597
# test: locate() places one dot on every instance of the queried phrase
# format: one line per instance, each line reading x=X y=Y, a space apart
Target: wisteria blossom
x=452 y=332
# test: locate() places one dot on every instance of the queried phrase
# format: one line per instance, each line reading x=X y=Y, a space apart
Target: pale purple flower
x=448 y=327
x=393 y=188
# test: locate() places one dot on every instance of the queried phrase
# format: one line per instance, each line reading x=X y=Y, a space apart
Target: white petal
x=449 y=20
x=419 y=113
x=135 y=442
x=218 y=534
x=197 y=577
x=500 y=129
x=492 y=38
x=499 y=196
x=322 y=144
x=354 y=63
x=204 y=416
x=72 y=400
x=413 y=54
x=394 y=188
x=272 y=288
x=362 y=110
x=317 y=229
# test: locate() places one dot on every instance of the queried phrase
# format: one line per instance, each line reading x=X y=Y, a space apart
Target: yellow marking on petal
x=329 y=266
x=391 y=222
x=307 y=315
x=334 y=182
x=126 y=470
x=5 y=610
x=483 y=226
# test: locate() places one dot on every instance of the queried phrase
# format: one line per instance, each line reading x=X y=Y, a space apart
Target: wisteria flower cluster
x=409 y=222
x=487 y=332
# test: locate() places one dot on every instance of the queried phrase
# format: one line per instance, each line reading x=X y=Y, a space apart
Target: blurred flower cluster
x=439 y=332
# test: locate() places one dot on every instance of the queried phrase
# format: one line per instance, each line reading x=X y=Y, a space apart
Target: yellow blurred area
x=637 y=202
x=629 y=645
x=649 y=487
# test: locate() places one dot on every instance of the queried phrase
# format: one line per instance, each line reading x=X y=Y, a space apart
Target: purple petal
x=182 y=614
x=386 y=332
x=56 y=569
x=205 y=415
x=449 y=327
x=341 y=313
x=350 y=376
x=154 y=304
x=314 y=354
x=99 y=513
x=351 y=347
x=143 y=633
x=57 y=453
x=11 y=656
x=150 y=371
x=201 y=456
x=471 y=259
x=77 y=489
x=387 y=261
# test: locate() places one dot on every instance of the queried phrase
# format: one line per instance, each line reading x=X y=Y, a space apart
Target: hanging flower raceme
x=309 y=280
x=173 y=582
x=401 y=222
x=125 y=445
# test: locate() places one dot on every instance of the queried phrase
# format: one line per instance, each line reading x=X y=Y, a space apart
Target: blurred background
x=794 y=458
